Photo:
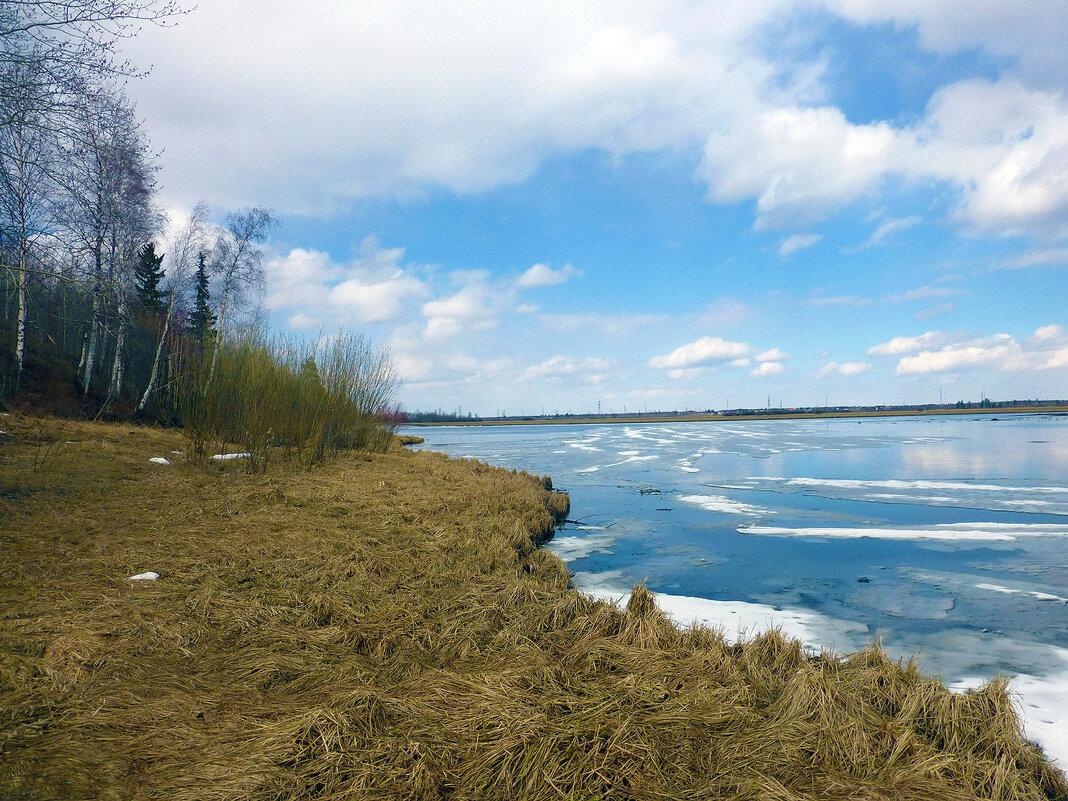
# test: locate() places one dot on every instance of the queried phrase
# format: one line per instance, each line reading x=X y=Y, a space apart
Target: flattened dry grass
x=385 y=627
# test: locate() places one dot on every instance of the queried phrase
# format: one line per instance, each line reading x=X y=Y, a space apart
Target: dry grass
x=385 y=628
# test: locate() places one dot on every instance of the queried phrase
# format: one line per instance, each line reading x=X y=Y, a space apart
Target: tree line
x=94 y=314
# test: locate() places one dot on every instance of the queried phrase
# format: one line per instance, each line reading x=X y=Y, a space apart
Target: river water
x=944 y=537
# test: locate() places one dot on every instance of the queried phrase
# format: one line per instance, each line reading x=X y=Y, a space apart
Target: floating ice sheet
x=985 y=494
x=974 y=532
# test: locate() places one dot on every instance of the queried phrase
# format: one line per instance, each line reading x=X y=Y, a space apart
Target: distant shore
x=787 y=414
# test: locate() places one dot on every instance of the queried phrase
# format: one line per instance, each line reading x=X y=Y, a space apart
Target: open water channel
x=944 y=537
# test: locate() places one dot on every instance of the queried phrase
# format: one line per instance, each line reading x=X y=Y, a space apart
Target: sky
x=626 y=205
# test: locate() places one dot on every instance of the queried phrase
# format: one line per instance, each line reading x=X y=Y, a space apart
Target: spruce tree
x=148 y=272
x=202 y=320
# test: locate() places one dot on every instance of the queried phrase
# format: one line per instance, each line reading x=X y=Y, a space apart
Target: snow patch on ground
x=147 y=576
x=225 y=457
x=159 y=460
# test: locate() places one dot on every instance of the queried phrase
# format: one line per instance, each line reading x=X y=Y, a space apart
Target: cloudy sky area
x=665 y=204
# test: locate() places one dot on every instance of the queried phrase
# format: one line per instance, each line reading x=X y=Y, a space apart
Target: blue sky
x=662 y=205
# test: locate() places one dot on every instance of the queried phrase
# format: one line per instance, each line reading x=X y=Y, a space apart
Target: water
x=943 y=537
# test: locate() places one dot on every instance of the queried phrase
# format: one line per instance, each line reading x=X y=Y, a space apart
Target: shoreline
x=384 y=625
x=728 y=418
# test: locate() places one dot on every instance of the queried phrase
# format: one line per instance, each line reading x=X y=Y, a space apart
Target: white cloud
x=842 y=369
x=934 y=311
x=526 y=308
x=301 y=321
x=800 y=164
x=557 y=367
x=724 y=313
x=611 y=324
x=1046 y=349
x=1048 y=335
x=1049 y=257
x=705 y=351
x=899 y=345
x=544 y=275
x=369 y=301
x=773 y=355
x=371 y=288
x=767 y=368
x=473 y=302
x=401 y=98
x=885 y=228
x=839 y=300
x=923 y=293
x=797 y=242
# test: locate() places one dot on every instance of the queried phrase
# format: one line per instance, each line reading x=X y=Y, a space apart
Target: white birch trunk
x=155 y=362
x=115 y=388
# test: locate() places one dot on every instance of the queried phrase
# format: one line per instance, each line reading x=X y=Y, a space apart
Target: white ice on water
x=972 y=532
x=719 y=503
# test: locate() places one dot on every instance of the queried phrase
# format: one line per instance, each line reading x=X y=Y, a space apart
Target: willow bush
x=299 y=401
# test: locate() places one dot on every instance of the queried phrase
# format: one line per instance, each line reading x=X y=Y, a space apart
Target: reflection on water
x=943 y=536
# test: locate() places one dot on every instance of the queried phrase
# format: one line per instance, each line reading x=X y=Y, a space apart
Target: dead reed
x=387 y=629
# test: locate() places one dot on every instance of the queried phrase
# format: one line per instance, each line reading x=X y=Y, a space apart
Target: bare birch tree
x=183 y=252
x=237 y=262
x=26 y=154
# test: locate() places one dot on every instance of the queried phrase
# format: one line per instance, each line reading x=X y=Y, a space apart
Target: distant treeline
x=918 y=408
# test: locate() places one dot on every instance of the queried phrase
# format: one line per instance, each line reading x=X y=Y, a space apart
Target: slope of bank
x=384 y=627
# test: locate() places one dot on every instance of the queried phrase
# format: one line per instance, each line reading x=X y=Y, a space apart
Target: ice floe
x=979 y=532
x=1036 y=594
x=720 y=503
x=979 y=494
x=571 y=548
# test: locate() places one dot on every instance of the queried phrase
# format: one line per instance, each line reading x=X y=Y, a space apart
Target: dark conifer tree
x=148 y=272
x=202 y=321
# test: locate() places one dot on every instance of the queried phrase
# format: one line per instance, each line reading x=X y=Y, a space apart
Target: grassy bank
x=384 y=627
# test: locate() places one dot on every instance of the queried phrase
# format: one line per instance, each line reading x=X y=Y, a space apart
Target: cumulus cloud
x=773 y=355
x=767 y=368
x=544 y=275
x=373 y=287
x=797 y=242
x=1046 y=349
x=842 y=369
x=705 y=351
x=407 y=98
x=899 y=345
